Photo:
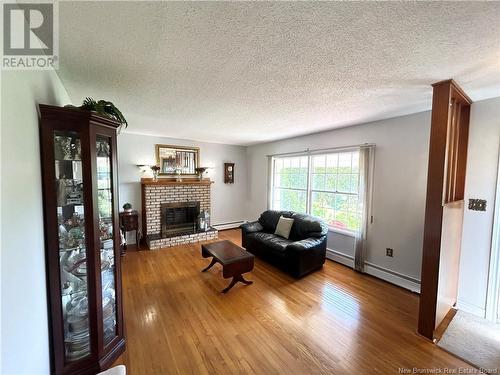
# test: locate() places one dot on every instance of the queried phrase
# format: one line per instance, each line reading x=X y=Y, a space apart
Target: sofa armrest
x=251 y=227
x=311 y=243
x=306 y=255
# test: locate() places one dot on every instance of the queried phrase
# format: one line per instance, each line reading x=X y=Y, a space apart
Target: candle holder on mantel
x=199 y=171
x=178 y=173
x=156 y=170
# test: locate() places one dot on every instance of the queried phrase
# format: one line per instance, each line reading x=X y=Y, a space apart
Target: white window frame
x=272 y=187
x=309 y=190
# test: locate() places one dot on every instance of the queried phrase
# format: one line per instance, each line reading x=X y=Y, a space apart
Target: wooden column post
x=445 y=184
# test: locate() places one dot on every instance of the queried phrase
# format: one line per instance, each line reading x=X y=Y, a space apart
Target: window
x=290 y=183
x=323 y=185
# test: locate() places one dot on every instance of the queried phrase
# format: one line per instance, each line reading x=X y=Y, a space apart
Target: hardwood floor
x=334 y=321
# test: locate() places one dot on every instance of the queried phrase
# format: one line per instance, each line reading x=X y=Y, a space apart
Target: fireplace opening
x=179 y=217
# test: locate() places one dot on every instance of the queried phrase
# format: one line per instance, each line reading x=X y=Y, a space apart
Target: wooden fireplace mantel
x=173 y=181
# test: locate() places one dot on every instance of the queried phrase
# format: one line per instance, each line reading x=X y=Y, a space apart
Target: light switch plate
x=477 y=204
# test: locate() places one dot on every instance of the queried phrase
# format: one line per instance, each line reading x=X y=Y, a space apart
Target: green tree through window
x=290 y=183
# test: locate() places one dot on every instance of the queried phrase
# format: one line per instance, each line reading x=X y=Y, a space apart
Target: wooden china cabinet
x=82 y=239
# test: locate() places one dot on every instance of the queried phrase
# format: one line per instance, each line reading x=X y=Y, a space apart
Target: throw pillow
x=284 y=227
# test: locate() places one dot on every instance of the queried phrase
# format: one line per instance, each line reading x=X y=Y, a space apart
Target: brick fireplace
x=168 y=210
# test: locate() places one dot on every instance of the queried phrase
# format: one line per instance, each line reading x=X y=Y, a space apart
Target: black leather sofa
x=299 y=255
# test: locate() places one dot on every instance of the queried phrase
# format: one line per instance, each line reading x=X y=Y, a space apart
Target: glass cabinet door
x=107 y=253
x=72 y=244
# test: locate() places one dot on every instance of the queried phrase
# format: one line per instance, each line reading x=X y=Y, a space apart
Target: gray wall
x=25 y=341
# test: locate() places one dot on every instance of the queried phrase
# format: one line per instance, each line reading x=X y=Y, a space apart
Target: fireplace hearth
x=179 y=217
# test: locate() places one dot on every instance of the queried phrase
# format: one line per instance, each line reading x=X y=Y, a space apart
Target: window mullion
x=309 y=184
x=273 y=182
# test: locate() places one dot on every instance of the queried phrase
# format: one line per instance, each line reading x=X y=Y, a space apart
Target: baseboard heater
x=230 y=225
x=379 y=272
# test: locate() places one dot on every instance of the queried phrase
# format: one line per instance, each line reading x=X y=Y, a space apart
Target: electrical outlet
x=389 y=252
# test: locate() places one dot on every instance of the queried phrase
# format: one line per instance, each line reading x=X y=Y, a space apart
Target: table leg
x=235 y=279
x=210 y=265
x=123 y=248
x=246 y=282
x=125 y=236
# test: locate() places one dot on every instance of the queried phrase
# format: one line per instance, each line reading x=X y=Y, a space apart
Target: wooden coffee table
x=235 y=261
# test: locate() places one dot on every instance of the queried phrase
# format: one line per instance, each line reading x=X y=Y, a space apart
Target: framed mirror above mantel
x=177 y=160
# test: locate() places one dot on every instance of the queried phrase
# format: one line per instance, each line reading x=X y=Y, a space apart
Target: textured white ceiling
x=243 y=73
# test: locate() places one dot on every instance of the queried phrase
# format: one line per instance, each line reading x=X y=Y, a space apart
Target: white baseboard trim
x=470 y=308
x=385 y=274
x=337 y=256
x=231 y=225
x=393 y=277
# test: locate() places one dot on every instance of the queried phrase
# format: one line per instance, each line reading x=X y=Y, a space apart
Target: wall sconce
x=143 y=167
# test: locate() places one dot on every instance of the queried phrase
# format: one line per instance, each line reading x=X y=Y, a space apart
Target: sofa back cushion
x=304 y=226
x=269 y=219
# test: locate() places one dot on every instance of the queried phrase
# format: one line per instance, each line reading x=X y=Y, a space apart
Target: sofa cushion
x=269 y=219
x=251 y=227
x=284 y=227
x=275 y=243
x=306 y=226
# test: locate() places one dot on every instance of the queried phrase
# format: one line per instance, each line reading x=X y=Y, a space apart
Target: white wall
x=25 y=341
x=400 y=179
x=482 y=167
x=228 y=200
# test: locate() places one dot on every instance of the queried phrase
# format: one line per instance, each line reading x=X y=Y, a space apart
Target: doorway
x=474 y=338
x=493 y=296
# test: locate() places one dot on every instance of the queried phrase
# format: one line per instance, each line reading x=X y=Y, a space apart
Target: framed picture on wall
x=229 y=173
x=174 y=160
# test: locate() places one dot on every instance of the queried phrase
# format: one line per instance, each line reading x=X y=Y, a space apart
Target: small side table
x=129 y=221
